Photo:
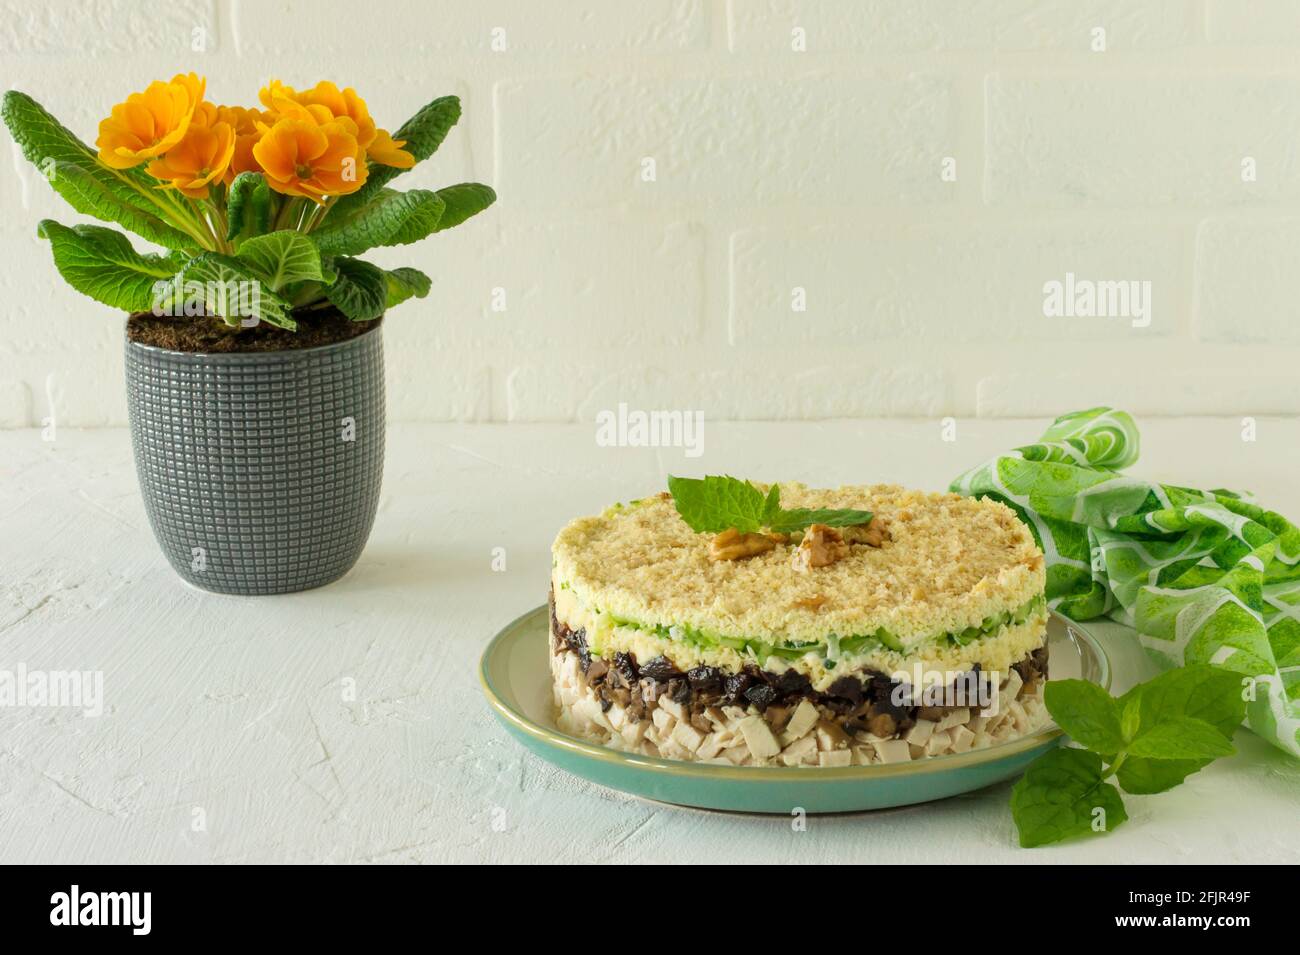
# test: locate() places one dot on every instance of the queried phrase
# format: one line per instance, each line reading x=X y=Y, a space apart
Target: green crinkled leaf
x=1060 y=795
x=84 y=192
x=101 y=263
x=423 y=132
x=424 y=219
x=406 y=283
x=360 y=291
x=248 y=207
x=462 y=201
x=121 y=196
x=1181 y=738
x=281 y=258
x=226 y=287
x=1087 y=712
x=393 y=218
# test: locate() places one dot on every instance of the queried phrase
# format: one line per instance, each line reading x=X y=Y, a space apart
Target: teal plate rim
x=520 y=722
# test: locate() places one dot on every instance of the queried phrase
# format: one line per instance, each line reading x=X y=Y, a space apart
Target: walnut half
x=872 y=534
x=733 y=545
x=820 y=547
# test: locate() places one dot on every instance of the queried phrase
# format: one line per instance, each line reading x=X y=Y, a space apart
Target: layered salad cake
x=784 y=625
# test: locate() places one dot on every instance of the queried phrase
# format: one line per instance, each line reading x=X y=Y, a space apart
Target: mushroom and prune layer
x=868 y=702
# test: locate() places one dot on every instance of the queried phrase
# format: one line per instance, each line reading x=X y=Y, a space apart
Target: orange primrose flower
x=245 y=123
x=274 y=95
x=322 y=102
x=325 y=101
x=302 y=158
x=149 y=123
x=342 y=103
x=198 y=160
x=388 y=151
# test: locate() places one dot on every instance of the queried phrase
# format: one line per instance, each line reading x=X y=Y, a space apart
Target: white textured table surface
x=232 y=710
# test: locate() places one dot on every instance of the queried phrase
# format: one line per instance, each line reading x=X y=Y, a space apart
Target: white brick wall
x=780 y=174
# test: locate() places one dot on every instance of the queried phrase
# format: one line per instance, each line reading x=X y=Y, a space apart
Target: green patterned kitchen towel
x=1203 y=576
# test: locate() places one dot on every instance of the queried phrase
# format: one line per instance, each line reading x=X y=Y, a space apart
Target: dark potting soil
x=204 y=334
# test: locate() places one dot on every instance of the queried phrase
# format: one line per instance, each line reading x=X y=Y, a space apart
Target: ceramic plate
x=516 y=678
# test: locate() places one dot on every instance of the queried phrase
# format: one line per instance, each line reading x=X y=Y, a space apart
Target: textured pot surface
x=260 y=471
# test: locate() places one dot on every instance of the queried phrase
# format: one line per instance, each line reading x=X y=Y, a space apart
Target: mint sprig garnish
x=1064 y=793
x=801 y=518
x=712 y=505
x=1149 y=740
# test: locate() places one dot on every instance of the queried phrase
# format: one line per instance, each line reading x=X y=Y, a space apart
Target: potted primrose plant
x=254 y=357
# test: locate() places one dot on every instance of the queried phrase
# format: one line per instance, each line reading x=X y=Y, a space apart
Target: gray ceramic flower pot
x=260 y=470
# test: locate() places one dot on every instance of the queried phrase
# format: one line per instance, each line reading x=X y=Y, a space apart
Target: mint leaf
x=711 y=505
x=1063 y=794
x=1153 y=737
x=1087 y=713
x=100 y=262
x=281 y=258
x=799 y=518
x=1181 y=738
x=1141 y=776
x=1130 y=719
x=714 y=504
x=1200 y=691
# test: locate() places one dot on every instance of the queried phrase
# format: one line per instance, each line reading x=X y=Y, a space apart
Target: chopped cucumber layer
x=836 y=646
